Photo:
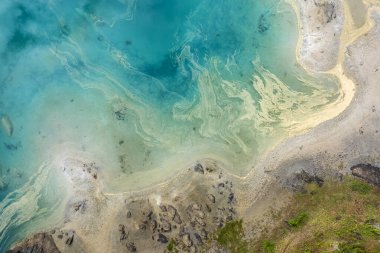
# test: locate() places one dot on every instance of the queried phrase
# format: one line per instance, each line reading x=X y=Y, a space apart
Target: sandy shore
x=203 y=197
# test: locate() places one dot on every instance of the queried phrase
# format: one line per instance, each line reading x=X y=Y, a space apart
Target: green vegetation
x=338 y=217
x=268 y=246
x=361 y=187
x=231 y=237
x=172 y=246
x=298 y=220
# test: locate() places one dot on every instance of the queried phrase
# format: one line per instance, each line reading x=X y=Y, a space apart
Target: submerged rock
x=199 y=168
x=39 y=243
x=369 y=173
x=7 y=125
x=3 y=185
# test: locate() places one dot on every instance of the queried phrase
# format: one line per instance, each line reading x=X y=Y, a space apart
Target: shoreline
x=317 y=149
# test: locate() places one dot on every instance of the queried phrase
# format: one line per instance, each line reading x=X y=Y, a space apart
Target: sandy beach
x=204 y=196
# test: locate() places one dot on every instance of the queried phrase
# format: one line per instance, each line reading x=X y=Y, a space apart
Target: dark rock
x=121 y=114
x=60 y=236
x=231 y=198
x=149 y=215
x=80 y=206
x=304 y=177
x=208 y=208
x=369 y=173
x=199 y=168
x=162 y=238
x=123 y=234
x=38 y=243
x=70 y=239
x=12 y=147
x=131 y=247
x=186 y=240
x=129 y=214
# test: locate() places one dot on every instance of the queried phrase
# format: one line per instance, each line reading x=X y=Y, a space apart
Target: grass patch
x=172 y=246
x=338 y=217
x=231 y=237
x=361 y=187
x=268 y=246
x=298 y=220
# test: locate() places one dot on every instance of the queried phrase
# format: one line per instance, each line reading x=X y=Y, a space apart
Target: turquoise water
x=143 y=88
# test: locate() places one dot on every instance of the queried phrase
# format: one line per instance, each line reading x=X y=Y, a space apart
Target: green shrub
x=268 y=246
x=231 y=237
x=361 y=187
x=298 y=220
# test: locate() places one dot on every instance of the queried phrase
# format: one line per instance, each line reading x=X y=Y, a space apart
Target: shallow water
x=143 y=88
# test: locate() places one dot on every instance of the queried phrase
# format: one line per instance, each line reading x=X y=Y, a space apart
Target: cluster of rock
x=66 y=236
x=39 y=243
x=91 y=169
x=184 y=224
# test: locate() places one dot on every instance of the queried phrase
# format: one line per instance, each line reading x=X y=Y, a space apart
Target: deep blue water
x=142 y=87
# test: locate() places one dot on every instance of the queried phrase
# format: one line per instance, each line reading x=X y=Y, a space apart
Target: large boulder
x=369 y=173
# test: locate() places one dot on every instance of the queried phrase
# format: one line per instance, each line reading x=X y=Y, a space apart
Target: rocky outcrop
x=369 y=173
x=298 y=180
x=39 y=243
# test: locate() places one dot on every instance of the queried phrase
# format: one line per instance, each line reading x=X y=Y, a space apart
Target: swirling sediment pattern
x=143 y=88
